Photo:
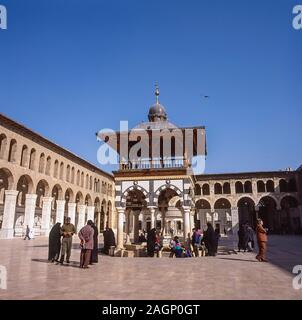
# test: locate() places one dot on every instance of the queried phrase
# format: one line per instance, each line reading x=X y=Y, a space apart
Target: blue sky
x=71 y=68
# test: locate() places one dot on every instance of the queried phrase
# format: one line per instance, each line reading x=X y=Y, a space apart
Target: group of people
x=206 y=241
x=60 y=243
x=246 y=239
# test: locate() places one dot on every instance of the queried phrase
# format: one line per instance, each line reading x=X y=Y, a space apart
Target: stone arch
x=197 y=190
x=222 y=203
x=82 y=179
x=226 y=188
x=25 y=186
x=246 y=211
x=78 y=178
x=72 y=175
x=6 y=183
x=248 y=187
x=217 y=188
x=32 y=159
x=56 y=168
x=133 y=188
x=24 y=156
x=267 y=211
x=87 y=182
x=168 y=186
x=3 y=145
x=48 y=166
x=62 y=170
x=202 y=204
x=239 y=187
x=205 y=189
x=283 y=185
x=292 y=185
x=42 y=190
x=173 y=201
x=69 y=195
x=270 y=186
x=68 y=173
x=79 y=199
x=260 y=186
x=88 y=200
x=42 y=162
x=289 y=215
x=12 y=151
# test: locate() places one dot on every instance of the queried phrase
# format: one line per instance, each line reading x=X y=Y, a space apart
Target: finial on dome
x=156 y=93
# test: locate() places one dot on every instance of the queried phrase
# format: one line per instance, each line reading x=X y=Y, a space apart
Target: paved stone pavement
x=227 y=276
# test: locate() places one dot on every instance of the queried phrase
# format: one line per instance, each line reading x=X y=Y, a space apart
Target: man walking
x=262 y=241
x=27 y=232
x=68 y=230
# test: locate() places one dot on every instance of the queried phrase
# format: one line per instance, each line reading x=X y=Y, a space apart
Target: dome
x=157 y=112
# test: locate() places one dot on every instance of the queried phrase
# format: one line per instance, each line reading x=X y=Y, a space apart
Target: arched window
x=3 y=145
x=68 y=173
x=87 y=181
x=283 y=185
x=90 y=183
x=72 y=175
x=217 y=188
x=239 y=187
x=226 y=188
x=270 y=186
x=32 y=159
x=292 y=186
x=248 y=187
x=24 y=156
x=48 y=166
x=62 y=170
x=78 y=177
x=42 y=163
x=56 y=169
x=82 y=179
x=206 y=189
x=197 y=189
x=12 y=151
x=260 y=186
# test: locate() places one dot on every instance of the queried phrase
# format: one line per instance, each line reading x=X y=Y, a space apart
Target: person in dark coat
x=109 y=240
x=151 y=239
x=54 y=243
x=210 y=239
x=242 y=238
x=95 y=250
x=217 y=237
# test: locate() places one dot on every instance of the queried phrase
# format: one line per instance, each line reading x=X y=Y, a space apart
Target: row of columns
x=188 y=223
x=7 y=231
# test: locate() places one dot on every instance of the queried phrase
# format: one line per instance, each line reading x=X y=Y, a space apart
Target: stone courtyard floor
x=226 y=276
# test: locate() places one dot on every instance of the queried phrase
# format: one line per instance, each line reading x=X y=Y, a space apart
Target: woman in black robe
x=109 y=240
x=151 y=239
x=242 y=238
x=95 y=250
x=54 y=244
x=210 y=240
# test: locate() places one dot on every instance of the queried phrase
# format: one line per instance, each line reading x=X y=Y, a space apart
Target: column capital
x=152 y=209
x=71 y=204
x=90 y=207
x=47 y=199
x=62 y=202
x=11 y=193
x=186 y=208
x=31 y=196
x=82 y=206
x=120 y=210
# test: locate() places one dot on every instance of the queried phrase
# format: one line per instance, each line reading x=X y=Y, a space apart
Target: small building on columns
x=154 y=185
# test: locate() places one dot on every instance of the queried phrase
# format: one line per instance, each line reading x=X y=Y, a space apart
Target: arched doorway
x=6 y=182
x=202 y=211
x=221 y=217
x=289 y=222
x=267 y=211
x=247 y=212
x=135 y=204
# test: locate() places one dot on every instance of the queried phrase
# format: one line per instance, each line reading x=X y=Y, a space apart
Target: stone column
x=72 y=211
x=120 y=227
x=235 y=220
x=90 y=213
x=136 y=226
x=186 y=221
x=192 y=223
x=143 y=221
x=81 y=220
x=46 y=214
x=7 y=231
x=152 y=214
x=29 y=212
x=60 y=211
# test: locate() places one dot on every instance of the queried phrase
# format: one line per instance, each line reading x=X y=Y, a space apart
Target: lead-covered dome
x=157 y=112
